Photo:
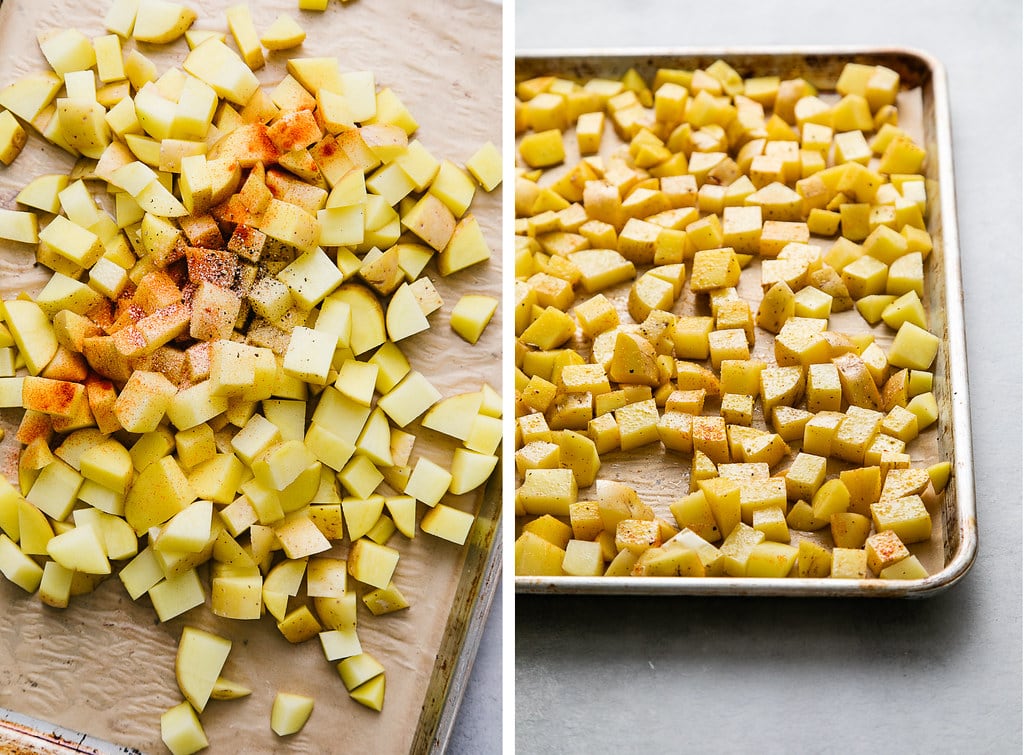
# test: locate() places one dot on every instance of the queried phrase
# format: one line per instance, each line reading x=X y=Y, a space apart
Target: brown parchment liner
x=661 y=476
x=105 y=665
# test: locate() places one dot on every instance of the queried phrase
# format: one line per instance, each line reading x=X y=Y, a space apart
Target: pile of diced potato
x=635 y=335
x=212 y=374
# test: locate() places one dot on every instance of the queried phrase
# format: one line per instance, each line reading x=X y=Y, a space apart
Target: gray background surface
x=941 y=675
x=477 y=728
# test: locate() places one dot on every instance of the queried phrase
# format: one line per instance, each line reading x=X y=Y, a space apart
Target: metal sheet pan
x=955 y=532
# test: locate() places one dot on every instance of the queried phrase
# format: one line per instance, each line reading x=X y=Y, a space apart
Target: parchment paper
x=105 y=665
x=661 y=476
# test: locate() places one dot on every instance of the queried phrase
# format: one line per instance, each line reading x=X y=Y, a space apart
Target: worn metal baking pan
x=924 y=78
x=24 y=735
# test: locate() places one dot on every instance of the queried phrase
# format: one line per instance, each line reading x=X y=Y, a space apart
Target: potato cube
x=471 y=315
x=738 y=547
x=638 y=424
x=72 y=242
x=771 y=559
x=547 y=491
x=805 y=476
x=637 y=535
x=181 y=731
x=299 y=536
x=176 y=595
x=341 y=643
x=465 y=245
x=309 y=355
x=693 y=512
x=772 y=522
x=143 y=401
x=12 y=137
x=583 y=559
x=542 y=149
x=824 y=389
x=832 y=497
x=907 y=517
x=371 y=563
x=908 y=568
x=298 y=625
x=913 y=347
x=221 y=68
x=281 y=464
x=428 y=482
x=849 y=563
x=447 y=523
x=485 y=167
x=884 y=549
x=360 y=477
x=432 y=221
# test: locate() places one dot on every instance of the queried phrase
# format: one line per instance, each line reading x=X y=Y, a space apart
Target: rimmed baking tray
x=925 y=97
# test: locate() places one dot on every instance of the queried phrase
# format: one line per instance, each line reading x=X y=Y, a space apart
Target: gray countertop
x=940 y=675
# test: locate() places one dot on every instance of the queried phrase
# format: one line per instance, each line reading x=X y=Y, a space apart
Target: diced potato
x=290 y=713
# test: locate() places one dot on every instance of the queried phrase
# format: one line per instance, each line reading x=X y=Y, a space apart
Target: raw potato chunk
x=181 y=731
x=290 y=713
x=160 y=22
x=200 y=658
x=471 y=315
x=12 y=138
x=447 y=523
x=283 y=34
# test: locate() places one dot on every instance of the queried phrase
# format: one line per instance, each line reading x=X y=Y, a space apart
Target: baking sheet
x=924 y=112
x=104 y=666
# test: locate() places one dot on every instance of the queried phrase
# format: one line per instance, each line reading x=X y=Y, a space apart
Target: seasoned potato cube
x=907 y=517
x=536 y=557
x=637 y=535
x=714 y=268
x=849 y=563
x=542 y=149
x=670 y=560
x=771 y=559
x=547 y=491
